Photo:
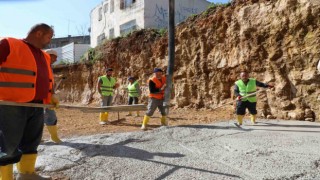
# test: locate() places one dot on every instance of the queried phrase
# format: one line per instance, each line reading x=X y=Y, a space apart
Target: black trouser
x=243 y=105
x=21 y=129
x=133 y=100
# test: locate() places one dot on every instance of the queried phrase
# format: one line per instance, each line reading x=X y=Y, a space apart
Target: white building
x=70 y=53
x=114 y=18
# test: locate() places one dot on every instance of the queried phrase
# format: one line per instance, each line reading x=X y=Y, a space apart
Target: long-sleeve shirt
x=152 y=87
x=258 y=83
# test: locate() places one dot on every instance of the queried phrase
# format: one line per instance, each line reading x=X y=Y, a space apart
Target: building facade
x=71 y=53
x=113 y=18
x=62 y=41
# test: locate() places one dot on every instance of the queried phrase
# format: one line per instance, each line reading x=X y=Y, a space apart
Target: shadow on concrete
x=257 y=127
x=283 y=130
x=118 y=150
x=215 y=127
x=121 y=150
x=264 y=124
x=177 y=167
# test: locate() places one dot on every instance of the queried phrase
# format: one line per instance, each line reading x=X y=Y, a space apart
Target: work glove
x=239 y=98
x=54 y=101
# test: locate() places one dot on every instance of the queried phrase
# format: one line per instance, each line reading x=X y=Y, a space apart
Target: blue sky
x=67 y=16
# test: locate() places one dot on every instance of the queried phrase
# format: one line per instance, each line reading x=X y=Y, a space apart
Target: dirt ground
x=72 y=123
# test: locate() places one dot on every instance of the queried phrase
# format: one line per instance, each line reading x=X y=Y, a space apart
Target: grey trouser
x=21 y=129
x=153 y=104
x=50 y=117
x=106 y=100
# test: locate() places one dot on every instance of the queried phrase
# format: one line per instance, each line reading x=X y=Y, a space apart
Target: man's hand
x=54 y=101
x=239 y=98
x=270 y=86
x=116 y=86
x=163 y=87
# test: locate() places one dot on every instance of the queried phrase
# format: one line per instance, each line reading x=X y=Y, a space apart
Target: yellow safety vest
x=247 y=89
x=133 y=91
x=107 y=85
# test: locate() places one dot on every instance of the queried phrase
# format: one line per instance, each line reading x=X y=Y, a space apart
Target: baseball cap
x=51 y=51
x=157 y=70
x=109 y=69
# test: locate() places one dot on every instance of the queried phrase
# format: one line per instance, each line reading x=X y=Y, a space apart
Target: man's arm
x=99 y=86
x=152 y=88
x=236 y=91
x=4 y=50
x=138 y=89
x=116 y=85
x=260 y=84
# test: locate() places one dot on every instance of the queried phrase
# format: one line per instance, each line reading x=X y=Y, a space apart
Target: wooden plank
x=135 y=107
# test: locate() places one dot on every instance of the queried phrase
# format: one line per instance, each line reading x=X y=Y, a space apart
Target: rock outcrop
x=278 y=41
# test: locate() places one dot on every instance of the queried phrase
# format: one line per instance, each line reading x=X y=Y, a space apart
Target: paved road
x=268 y=150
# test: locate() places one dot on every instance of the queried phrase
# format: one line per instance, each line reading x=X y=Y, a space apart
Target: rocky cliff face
x=278 y=41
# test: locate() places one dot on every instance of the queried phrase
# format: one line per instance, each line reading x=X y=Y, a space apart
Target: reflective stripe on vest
x=107 y=85
x=18 y=73
x=159 y=84
x=247 y=89
x=133 y=91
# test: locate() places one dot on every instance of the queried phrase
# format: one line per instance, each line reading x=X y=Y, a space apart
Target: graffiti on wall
x=161 y=14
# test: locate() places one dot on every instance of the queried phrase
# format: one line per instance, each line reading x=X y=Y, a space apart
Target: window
x=100 y=14
x=111 y=33
x=126 y=3
x=105 y=8
x=128 y=27
x=122 y=4
x=111 y=6
x=100 y=38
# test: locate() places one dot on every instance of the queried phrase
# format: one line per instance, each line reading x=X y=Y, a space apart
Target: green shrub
x=93 y=56
x=162 y=31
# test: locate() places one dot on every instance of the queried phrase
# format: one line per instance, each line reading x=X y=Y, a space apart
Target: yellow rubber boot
x=53 y=130
x=103 y=118
x=240 y=118
x=253 y=119
x=164 y=121
x=145 y=122
x=26 y=168
x=6 y=172
x=106 y=116
x=27 y=163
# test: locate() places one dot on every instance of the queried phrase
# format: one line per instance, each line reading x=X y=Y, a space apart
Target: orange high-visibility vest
x=18 y=74
x=159 y=84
